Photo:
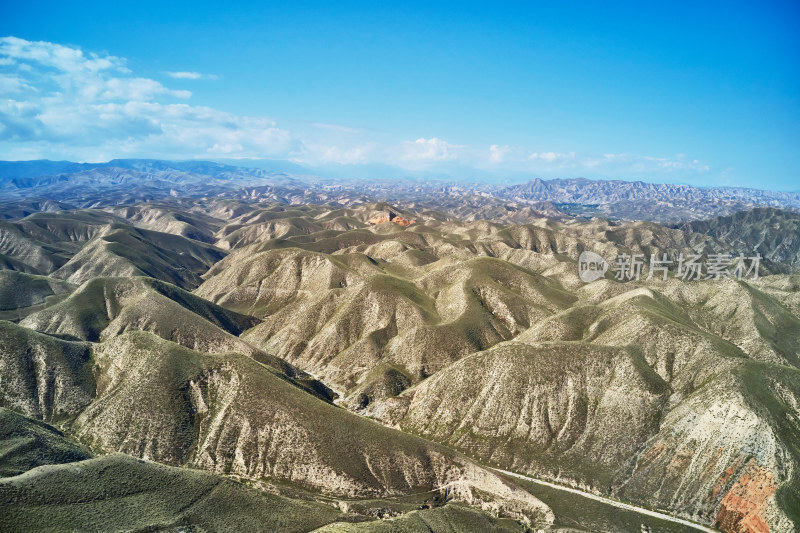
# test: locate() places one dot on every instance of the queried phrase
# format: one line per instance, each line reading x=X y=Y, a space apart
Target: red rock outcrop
x=391 y=217
x=743 y=507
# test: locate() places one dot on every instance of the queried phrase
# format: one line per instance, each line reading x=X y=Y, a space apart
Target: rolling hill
x=347 y=359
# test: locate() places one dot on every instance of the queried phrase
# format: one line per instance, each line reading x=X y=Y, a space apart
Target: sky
x=705 y=93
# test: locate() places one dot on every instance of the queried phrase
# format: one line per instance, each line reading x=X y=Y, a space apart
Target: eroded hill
x=256 y=341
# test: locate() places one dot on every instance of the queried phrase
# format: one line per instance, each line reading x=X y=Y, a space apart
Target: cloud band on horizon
x=59 y=102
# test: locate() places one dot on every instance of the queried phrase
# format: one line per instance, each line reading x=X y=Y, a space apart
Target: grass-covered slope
x=342 y=315
x=140 y=303
x=122 y=250
x=42 y=376
x=22 y=294
x=26 y=443
x=685 y=420
x=118 y=492
x=167 y=219
x=19 y=251
x=451 y=518
x=104 y=308
x=568 y=409
x=19 y=290
x=122 y=493
x=228 y=414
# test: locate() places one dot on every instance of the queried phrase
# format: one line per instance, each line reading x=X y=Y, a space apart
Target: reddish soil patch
x=391 y=217
x=743 y=507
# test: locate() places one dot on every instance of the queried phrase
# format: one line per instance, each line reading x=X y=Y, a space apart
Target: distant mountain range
x=30 y=186
x=649 y=201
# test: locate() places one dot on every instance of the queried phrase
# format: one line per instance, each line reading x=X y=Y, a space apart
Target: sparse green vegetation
x=260 y=399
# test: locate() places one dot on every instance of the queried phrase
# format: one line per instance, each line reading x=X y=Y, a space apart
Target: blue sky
x=703 y=92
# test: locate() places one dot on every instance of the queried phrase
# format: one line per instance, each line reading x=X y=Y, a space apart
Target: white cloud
x=59 y=102
x=136 y=89
x=622 y=163
x=343 y=155
x=11 y=84
x=497 y=154
x=433 y=149
x=550 y=157
x=183 y=75
x=56 y=56
x=80 y=105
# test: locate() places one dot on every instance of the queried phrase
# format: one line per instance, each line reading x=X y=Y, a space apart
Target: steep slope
x=18 y=290
x=69 y=228
x=728 y=452
x=43 y=242
x=11 y=263
x=774 y=233
x=340 y=316
x=19 y=251
x=42 y=376
x=118 y=492
x=24 y=208
x=22 y=294
x=263 y=228
x=644 y=319
x=170 y=219
x=126 y=251
x=121 y=493
x=27 y=443
x=260 y=283
x=138 y=303
x=724 y=452
x=579 y=411
x=714 y=429
x=742 y=314
x=106 y=307
x=228 y=414
x=783 y=289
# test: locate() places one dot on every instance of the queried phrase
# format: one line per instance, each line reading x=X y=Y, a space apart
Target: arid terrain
x=286 y=358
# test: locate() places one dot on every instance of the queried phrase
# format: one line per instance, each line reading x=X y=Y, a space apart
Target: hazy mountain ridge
x=636 y=200
x=29 y=185
x=586 y=191
x=773 y=233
